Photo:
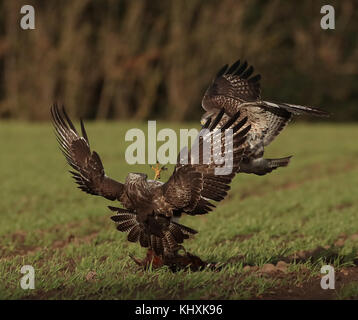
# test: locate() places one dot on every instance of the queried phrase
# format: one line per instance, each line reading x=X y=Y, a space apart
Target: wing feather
x=89 y=172
x=231 y=87
x=193 y=185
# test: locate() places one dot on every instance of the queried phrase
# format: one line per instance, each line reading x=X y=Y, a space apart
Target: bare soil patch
x=311 y=288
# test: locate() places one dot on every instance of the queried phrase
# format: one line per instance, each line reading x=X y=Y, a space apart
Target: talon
x=151 y=259
x=158 y=170
x=180 y=247
x=137 y=261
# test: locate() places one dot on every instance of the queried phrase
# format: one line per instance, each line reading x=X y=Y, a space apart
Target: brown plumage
x=150 y=206
x=236 y=89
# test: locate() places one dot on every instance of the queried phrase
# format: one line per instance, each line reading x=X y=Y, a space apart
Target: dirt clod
x=340 y=242
x=282 y=266
x=246 y=268
x=91 y=276
x=268 y=268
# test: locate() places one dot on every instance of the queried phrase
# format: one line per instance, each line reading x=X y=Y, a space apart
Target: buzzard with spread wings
x=236 y=89
x=150 y=206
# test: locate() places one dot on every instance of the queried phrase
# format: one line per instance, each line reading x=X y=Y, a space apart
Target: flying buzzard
x=236 y=89
x=150 y=206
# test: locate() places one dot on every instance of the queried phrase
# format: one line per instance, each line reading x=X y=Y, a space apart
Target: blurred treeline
x=111 y=59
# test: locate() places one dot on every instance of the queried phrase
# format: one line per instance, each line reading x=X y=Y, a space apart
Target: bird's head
x=134 y=177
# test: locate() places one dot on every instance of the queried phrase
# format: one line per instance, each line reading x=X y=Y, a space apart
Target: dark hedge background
x=137 y=59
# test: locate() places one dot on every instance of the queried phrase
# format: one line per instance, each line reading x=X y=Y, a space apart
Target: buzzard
x=234 y=88
x=150 y=207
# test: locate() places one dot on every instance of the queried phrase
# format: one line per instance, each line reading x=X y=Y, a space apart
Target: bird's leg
x=157 y=170
x=137 y=261
x=151 y=259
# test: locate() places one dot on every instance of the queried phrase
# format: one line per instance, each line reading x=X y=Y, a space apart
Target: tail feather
x=123 y=217
x=119 y=210
x=298 y=109
x=126 y=225
x=144 y=240
x=281 y=162
x=178 y=235
x=263 y=166
x=157 y=244
x=134 y=233
x=185 y=229
x=173 y=234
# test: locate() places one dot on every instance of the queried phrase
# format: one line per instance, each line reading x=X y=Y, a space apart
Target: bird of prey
x=234 y=88
x=150 y=207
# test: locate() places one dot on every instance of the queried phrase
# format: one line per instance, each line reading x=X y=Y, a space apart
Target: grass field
x=301 y=217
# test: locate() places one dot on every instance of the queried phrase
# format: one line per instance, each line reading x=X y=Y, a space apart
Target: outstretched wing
x=183 y=189
x=199 y=177
x=89 y=173
x=235 y=88
x=231 y=87
x=235 y=85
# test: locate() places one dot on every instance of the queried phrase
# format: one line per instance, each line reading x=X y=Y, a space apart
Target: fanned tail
x=276 y=163
x=263 y=166
x=164 y=242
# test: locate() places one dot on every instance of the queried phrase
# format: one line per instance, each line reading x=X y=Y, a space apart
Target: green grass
x=64 y=233
x=349 y=291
